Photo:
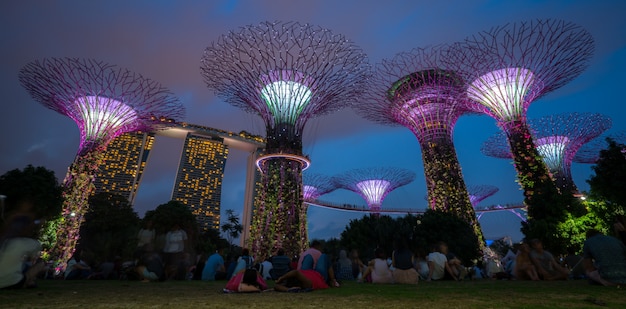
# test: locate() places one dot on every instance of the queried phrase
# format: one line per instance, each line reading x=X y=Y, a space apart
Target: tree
x=110 y=227
x=33 y=184
x=232 y=228
x=609 y=179
x=170 y=213
x=422 y=231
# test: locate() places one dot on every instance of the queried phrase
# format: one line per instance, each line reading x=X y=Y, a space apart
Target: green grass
x=196 y=294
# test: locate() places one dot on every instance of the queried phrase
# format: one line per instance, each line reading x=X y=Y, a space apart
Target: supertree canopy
x=590 y=152
x=286 y=73
x=416 y=90
x=104 y=101
x=478 y=193
x=316 y=185
x=558 y=138
x=507 y=69
x=373 y=184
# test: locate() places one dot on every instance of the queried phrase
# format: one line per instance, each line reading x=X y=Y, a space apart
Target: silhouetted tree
x=609 y=180
x=232 y=228
x=34 y=184
x=110 y=227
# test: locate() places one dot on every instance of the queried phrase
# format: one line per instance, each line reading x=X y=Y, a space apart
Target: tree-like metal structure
x=286 y=73
x=558 y=138
x=373 y=184
x=590 y=152
x=478 y=193
x=105 y=101
x=316 y=185
x=418 y=91
x=507 y=69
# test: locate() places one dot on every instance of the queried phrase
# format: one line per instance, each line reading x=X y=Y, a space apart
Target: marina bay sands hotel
x=200 y=171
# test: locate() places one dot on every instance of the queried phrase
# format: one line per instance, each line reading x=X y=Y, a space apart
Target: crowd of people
x=603 y=261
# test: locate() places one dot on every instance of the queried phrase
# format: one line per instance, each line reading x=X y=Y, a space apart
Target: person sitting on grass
x=244 y=262
x=524 y=267
x=378 y=268
x=247 y=281
x=343 y=266
x=438 y=267
x=303 y=280
x=150 y=266
x=214 y=267
x=604 y=259
x=403 y=264
x=280 y=264
x=546 y=265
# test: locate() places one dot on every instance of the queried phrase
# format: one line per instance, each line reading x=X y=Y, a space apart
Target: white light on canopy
x=103 y=116
x=503 y=92
x=552 y=150
x=286 y=99
x=374 y=191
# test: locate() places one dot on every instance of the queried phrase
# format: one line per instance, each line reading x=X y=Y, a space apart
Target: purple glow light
x=504 y=92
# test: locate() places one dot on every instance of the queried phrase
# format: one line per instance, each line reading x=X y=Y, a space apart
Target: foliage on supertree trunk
x=446 y=188
x=277 y=222
x=78 y=187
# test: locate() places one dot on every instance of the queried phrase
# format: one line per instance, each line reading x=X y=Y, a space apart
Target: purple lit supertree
x=315 y=185
x=590 y=152
x=478 y=193
x=104 y=101
x=286 y=73
x=508 y=68
x=558 y=138
x=416 y=90
x=373 y=184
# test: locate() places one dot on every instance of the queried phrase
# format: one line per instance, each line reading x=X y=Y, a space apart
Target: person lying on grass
x=247 y=281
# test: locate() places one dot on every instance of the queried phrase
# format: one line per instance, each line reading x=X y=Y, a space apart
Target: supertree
x=478 y=193
x=316 y=185
x=416 y=90
x=373 y=184
x=590 y=152
x=558 y=138
x=105 y=101
x=507 y=69
x=286 y=73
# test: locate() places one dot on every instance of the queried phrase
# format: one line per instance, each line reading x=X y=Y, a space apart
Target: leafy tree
x=573 y=230
x=110 y=227
x=33 y=184
x=232 y=228
x=209 y=241
x=170 y=213
x=609 y=179
x=420 y=231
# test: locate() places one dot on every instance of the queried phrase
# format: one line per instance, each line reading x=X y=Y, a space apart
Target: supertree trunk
x=78 y=187
x=444 y=182
x=533 y=175
x=278 y=221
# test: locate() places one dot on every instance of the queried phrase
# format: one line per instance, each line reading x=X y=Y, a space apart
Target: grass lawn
x=196 y=294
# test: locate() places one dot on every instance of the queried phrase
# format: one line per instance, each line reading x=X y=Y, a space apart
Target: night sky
x=164 y=40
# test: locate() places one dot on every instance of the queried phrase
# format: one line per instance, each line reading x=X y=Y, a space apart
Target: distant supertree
x=416 y=90
x=373 y=184
x=590 y=152
x=104 y=101
x=478 y=193
x=287 y=73
x=558 y=139
x=316 y=185
x=507 y=69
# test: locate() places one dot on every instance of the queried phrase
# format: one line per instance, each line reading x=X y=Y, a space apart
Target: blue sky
x=164 y=40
